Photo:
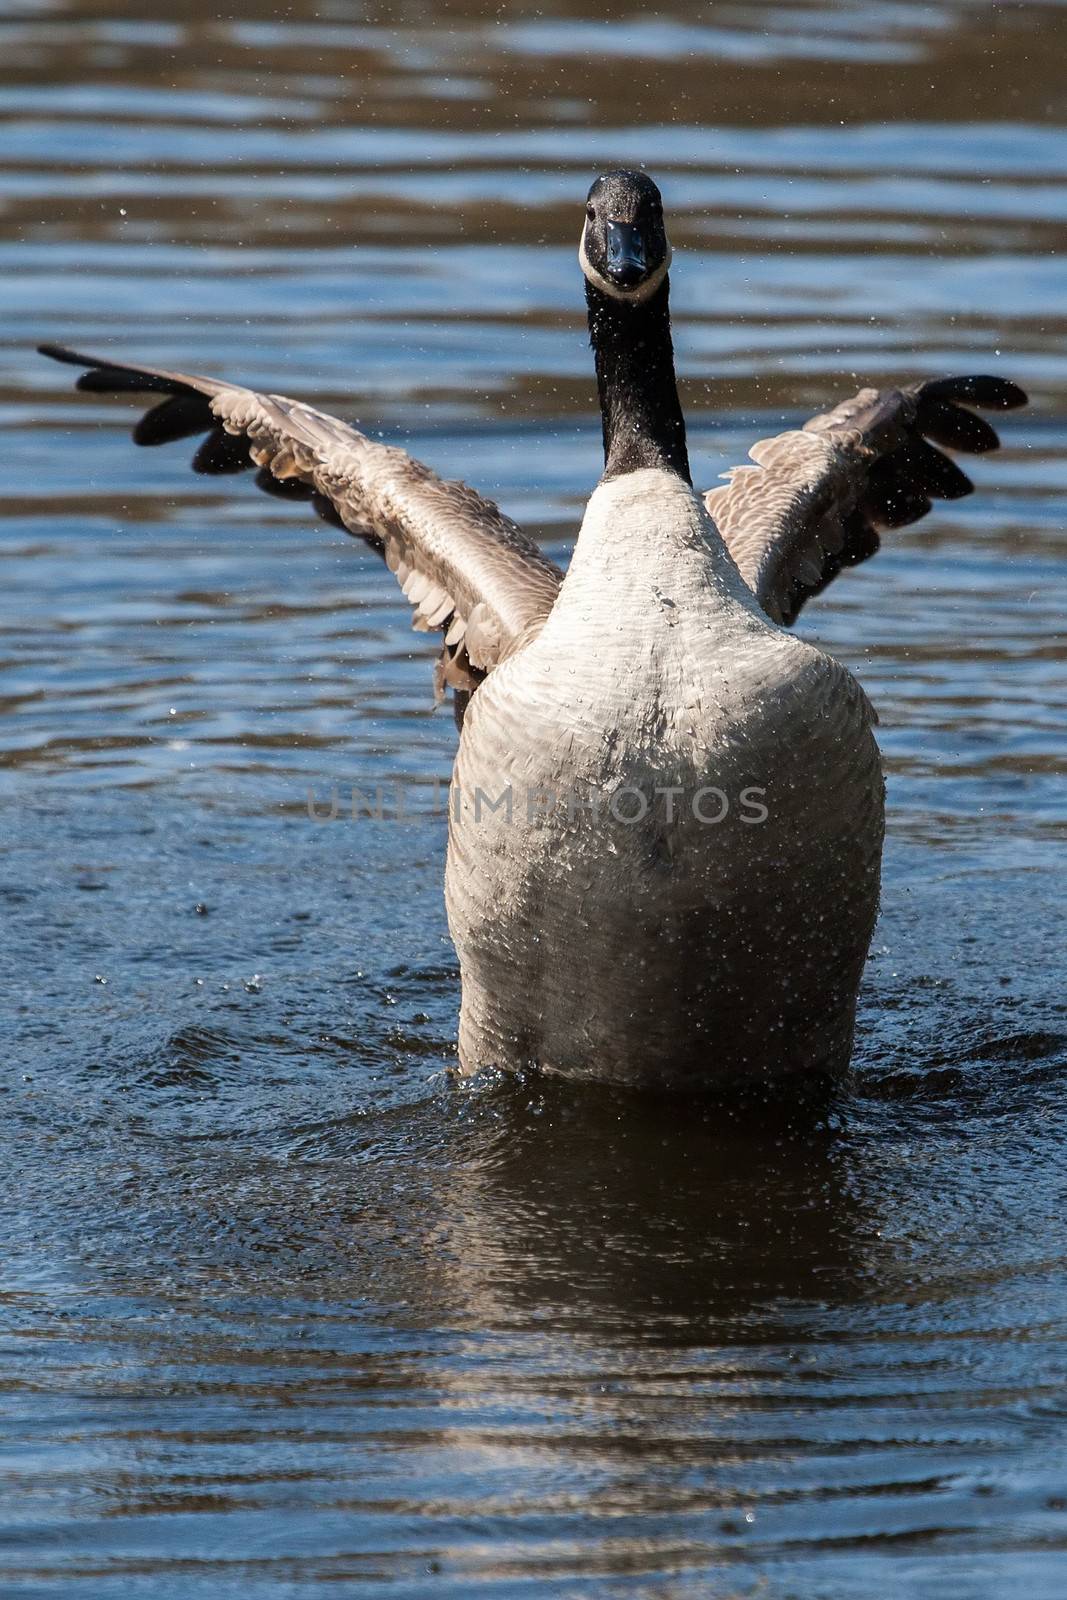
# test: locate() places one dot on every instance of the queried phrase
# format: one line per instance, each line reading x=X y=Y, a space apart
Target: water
x=284 y=1311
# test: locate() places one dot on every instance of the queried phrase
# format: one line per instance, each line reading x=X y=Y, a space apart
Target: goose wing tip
x=990 y=391
x=63 y=353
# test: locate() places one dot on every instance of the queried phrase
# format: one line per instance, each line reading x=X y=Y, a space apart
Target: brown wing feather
x=818 y=499
x=466 y=568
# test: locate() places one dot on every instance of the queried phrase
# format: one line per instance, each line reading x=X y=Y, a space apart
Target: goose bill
x=626 y=261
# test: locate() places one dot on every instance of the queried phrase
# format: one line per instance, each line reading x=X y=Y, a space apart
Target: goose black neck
x=639 y=406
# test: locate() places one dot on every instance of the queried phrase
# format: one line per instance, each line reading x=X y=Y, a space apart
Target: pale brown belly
x=705 y=949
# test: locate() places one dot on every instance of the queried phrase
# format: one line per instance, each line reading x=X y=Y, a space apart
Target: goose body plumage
x=666 y=814
x=680 y=882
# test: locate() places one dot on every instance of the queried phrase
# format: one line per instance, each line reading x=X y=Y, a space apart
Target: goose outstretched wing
x=465 y=567
x=817 y=499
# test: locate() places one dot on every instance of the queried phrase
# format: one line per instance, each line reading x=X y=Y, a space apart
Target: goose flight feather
x=465 y=567
x=817 y=498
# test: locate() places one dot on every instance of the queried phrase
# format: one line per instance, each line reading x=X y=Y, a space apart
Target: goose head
x=624 y=250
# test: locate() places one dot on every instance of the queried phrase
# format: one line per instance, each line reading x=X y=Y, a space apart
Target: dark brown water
x=284 y=1313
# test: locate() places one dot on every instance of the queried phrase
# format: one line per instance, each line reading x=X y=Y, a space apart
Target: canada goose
x=667 y=811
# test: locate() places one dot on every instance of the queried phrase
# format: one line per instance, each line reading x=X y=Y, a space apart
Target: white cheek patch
x=641 y=291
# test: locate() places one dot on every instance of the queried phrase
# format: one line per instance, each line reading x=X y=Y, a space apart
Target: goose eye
x=590 y=212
